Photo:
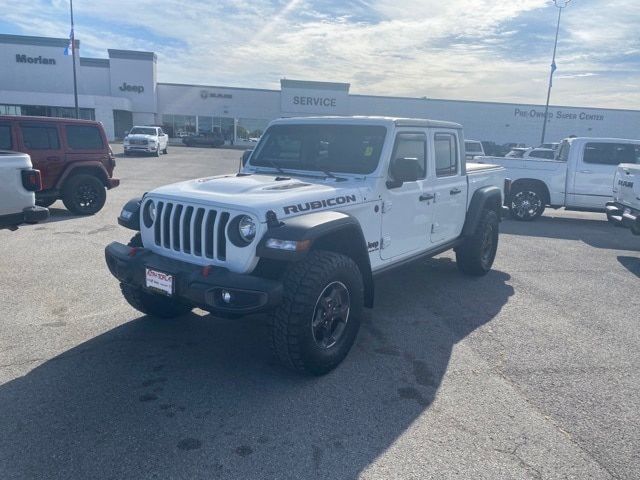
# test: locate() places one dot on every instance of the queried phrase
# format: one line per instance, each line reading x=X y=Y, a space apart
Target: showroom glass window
x=334 y=148
x=40 y=137
x=446 y=152
x=412 y=145
x=84 y=137
x=610 y=153
x=5 y=137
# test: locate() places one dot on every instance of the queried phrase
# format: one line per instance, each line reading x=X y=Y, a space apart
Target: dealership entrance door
x=122 y=122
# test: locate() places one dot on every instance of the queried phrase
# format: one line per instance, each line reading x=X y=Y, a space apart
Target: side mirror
x=403 y=170
x=245 y=156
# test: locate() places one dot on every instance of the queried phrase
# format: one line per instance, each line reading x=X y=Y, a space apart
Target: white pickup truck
x=625 y=208
x=146 y=140
x=580 y=178
x=18 y=182
x=320 y=207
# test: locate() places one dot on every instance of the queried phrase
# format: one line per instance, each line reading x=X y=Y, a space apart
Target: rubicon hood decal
x=317 y=204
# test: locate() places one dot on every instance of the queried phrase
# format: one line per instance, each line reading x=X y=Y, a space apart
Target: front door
x=448 y=186
x=596 y=167
x=405 y=212
x=42 y=142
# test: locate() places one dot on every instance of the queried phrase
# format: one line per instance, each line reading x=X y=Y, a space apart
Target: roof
x=28 y=118
x=371 y=120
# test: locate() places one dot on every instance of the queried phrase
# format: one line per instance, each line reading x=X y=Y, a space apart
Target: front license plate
x=160 y=281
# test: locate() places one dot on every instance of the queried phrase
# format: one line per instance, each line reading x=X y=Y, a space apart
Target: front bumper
x=141 y=148
x=628 y=217
x=199 y=286
x=28 y=215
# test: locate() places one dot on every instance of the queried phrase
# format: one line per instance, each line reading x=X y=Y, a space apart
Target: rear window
x=611 y=153
x=334 y=148
x=473 y=147
x=5 y=137
x=84 y=137
x=40 y=137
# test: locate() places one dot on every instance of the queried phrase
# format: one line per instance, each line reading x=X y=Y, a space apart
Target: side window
x=446 y=152
x=84 y=137
x=160 y=131
x=412 y=146
x=38 y=137
x=610 y=153
x=5 y=137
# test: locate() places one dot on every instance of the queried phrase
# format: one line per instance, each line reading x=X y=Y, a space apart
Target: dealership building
x=122 y=90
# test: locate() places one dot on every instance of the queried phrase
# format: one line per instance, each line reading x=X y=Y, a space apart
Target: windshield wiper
x=331 y=175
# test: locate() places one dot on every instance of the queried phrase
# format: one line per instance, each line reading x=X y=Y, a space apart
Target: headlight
x=149 y=213
x=247 y=228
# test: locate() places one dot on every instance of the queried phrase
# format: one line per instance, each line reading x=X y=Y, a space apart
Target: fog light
x=226 y=296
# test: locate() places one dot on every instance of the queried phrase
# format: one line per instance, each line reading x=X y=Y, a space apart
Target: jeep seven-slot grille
x=196 y=231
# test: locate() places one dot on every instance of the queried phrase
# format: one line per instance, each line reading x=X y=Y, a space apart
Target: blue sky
x=462 y=49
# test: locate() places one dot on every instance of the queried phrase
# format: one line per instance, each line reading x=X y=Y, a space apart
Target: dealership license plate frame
x=155 y=283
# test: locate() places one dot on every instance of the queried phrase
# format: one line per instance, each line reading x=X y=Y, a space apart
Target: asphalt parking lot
x=529 y=372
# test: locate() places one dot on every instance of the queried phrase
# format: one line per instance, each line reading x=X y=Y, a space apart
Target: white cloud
x=413 y=48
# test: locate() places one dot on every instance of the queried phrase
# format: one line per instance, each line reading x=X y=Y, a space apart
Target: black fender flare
x=489 y=196
x=130 y=214
x=327 y=230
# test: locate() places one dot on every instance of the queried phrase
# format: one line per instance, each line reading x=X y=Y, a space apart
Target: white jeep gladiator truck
x=320 y=207
x=580 y=178
x=625 y=207
x=146 y=140
x=18 y=184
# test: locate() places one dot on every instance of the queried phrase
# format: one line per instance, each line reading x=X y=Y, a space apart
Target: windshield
x=473 y=147
x=332 y=148
x=142 y=131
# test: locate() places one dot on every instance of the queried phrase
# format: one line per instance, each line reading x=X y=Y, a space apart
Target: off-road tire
x=155 y=305
x=78 y=189
x=532 y=193
x=292 y=334
x=475 y=257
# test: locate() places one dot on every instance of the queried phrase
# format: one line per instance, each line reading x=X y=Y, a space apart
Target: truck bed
x=480 y=167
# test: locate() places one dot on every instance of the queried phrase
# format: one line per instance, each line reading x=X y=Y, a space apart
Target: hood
x=140 y=136
x=287 y=196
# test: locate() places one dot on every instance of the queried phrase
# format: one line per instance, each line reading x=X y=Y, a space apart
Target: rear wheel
x=84 y=194
x=316 y=325
x=526 y=202
x=152 y=304
x=476 y=255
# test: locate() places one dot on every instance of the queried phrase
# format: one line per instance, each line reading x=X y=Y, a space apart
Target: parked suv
x=73 y=156
x=18 y=181
x=205 y=139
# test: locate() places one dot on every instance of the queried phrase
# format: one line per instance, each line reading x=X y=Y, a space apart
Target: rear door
x=448 y=185
x=406 y=215
x=85 y=143
x=41 y=140
x=595 y=169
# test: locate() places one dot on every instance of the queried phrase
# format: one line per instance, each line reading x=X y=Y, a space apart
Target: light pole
x=560 y=4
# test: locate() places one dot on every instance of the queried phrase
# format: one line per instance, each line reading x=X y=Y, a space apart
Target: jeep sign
x=21 y=58
x=125 y=87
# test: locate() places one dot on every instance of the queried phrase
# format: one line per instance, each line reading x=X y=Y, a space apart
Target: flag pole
x=73 y=59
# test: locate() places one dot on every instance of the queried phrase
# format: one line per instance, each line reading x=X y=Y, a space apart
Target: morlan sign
x=40 y=60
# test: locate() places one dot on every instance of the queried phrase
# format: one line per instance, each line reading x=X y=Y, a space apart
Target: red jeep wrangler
x=73 y=156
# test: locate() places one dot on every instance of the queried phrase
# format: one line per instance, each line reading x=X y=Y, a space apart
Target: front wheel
x=526 y=203
x=84 y=194
x=318 y=321
x=477 y=253
x=165 y=151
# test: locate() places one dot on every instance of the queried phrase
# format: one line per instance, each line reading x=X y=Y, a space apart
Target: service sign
x=314 y=101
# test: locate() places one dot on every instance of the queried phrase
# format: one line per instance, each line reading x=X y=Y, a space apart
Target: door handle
x=455 y=191
x=427 y=196
x=585 y=171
